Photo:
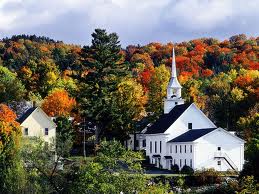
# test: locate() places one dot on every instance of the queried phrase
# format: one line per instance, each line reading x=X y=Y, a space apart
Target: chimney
x=34 y=104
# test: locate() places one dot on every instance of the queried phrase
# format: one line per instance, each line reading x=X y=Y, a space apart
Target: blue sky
x=135 y=21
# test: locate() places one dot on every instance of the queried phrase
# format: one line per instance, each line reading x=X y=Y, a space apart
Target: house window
x=180 y=163
x=219 y=162
x=26 y=131
x=171 y=148
x=190 y=148
x=190 y=162
x=175 y=148
x=189 y=125
x=46 y=131
x=144 y=143
x=160 y=146
x=155 y=146
x=184 y=148
x=180 y=149
x=219 y=148
x=150 y=147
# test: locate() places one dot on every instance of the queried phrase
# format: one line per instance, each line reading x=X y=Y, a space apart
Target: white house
x=184 y=135
x=36 y=123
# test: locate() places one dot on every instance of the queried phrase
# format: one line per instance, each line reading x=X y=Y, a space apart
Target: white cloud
x=132 y=19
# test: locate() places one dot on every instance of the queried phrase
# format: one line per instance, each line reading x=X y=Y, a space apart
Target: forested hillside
x=221 y=77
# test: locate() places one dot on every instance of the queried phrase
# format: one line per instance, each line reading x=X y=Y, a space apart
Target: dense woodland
x=120 y=90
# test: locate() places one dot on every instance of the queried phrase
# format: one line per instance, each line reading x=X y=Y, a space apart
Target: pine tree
x=103 y=68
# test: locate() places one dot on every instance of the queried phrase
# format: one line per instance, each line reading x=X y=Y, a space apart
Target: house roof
x=192 y=135
x=26 y=114
x=166 y=120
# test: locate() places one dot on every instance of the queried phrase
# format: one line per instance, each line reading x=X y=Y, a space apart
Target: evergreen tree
x=103 y=68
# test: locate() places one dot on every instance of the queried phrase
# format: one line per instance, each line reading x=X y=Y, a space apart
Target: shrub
x=207 y=177
x=187 y=170
x=175 y=169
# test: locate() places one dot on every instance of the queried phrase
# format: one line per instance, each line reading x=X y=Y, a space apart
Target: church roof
x=192 y=135
x=166 y=120
x=26 y=114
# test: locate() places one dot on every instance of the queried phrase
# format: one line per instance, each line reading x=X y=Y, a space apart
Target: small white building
x=36 y=123
x=184 y=135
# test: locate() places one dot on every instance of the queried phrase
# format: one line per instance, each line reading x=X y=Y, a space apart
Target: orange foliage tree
x=58 y=103
x=9 y=132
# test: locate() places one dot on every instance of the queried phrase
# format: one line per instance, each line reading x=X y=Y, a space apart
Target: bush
x=207 y=177
x=175 y=169
x=187 y=170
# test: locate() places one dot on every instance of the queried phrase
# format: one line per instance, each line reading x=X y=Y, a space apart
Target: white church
x=184 y=135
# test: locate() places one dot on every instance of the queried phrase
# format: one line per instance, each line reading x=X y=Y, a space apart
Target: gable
x=38 y=117
x=191 y=115
x=166 y=120
x=220 y=136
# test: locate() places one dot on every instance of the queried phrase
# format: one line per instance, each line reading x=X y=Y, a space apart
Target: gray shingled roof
x=166 y=120
x=192 y=135
x=26 y=114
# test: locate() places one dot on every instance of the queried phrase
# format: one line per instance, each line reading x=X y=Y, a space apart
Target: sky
x=135 y=21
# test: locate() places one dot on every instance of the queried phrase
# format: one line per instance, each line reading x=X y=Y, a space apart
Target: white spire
x=173 y=74
x=174 y=95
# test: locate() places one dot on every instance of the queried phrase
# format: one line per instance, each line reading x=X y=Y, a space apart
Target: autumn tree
x=157 y=89
x=128 y=106
x=58 y=103
x=11 y=170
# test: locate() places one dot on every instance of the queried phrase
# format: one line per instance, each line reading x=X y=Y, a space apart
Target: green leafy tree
x=114 y=170
x=11 y=89
x=64 y=137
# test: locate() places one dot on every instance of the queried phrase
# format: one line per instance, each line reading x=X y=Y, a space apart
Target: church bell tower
x=174 y=94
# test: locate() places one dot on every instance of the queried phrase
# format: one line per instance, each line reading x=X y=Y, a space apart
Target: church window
x=180 y=163
x=170 y=148
x=174 y=161
x=150 y=147
x=160 y=146
x=180 y=149
x=175 y=148
x=189 y=125
x=137 y=143
x=190 y=162
x=190 y=148
x=219 y=148
x=144 y=143
x=185 y=162
x=155 y=146
x=219 y=162
x=184 y=148
x=176 y=103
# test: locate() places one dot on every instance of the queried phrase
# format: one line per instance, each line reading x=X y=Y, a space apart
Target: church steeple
x=174 y=95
